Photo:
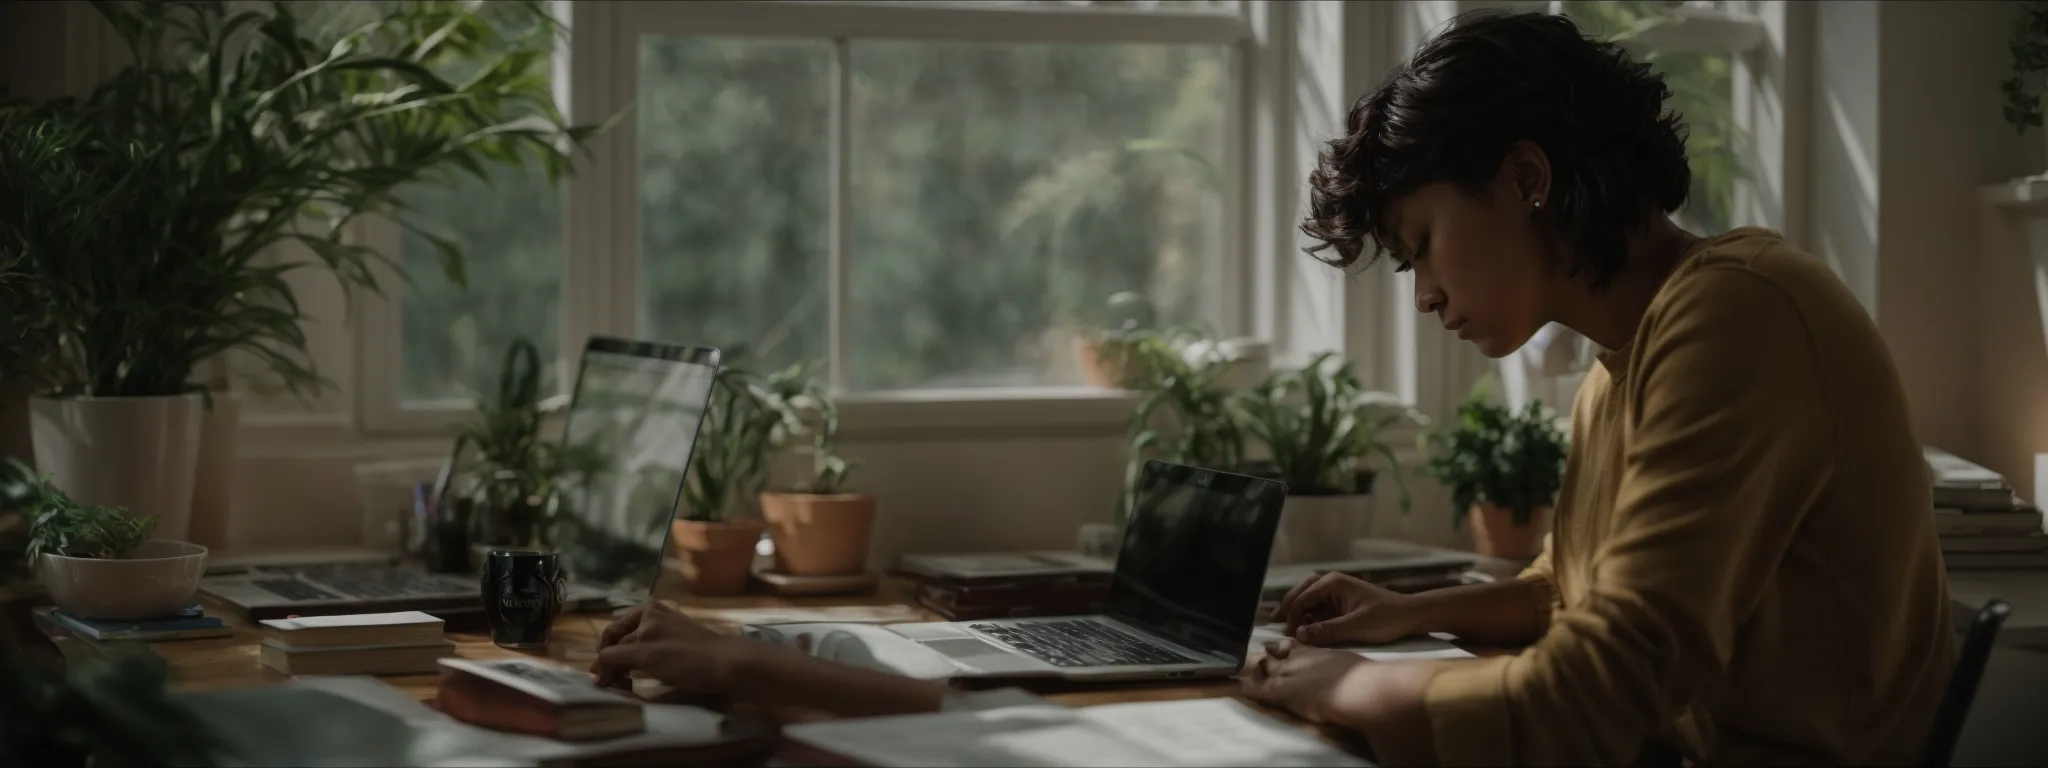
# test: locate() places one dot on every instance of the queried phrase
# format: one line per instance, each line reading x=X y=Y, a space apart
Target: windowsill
x=962 y=413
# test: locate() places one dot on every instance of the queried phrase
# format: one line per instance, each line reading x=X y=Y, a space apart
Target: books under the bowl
x=191 y=623
x=536 y=698
x=352 y=630
x=354 y=660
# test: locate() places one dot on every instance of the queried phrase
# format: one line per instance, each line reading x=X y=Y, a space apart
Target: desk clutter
x=403 y=643
x=1982 y=522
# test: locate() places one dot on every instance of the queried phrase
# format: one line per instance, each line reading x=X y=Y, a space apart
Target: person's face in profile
x=1480 y=256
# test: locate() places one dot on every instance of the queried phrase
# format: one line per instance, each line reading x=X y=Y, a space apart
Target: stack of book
x=971 y=587
x=404 y=643
x=1983 y=523
x=188 y=624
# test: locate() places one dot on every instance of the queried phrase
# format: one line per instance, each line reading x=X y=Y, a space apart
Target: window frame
x=599 y=76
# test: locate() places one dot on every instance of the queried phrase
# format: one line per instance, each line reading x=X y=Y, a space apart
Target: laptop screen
x=634 y=419
x=1194 y=556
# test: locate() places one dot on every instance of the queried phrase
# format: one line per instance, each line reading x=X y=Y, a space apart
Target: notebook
x=1201 y=732
x=187 y=626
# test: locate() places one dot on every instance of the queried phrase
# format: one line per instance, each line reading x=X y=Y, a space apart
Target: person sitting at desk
x=1743 y=567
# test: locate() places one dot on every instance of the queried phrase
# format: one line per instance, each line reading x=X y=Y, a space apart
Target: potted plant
x=818 y=527
x=1319 y=428
x=98 y=562
x=519 y=474
x=714 y=535
x=1503 y=468
x=233 y=135
x=1183 y=416
x=1111 y=354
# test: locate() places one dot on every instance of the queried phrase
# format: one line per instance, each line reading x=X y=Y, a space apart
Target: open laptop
x=638 y=405
x=1182 y=598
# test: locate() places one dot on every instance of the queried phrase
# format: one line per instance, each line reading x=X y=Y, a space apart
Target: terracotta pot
x=716 y=558
x=1105 y=364
x=1495 y=534
x=819 y=534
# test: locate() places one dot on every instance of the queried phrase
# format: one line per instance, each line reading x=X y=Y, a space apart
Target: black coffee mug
x=523 y=591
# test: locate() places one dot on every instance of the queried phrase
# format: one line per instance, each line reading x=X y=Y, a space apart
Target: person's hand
x=707 y=666
x=648 y=622
x=1333 y=609
x=1301 y=679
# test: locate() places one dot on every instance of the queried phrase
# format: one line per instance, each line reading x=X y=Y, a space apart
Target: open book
x=1201 y=732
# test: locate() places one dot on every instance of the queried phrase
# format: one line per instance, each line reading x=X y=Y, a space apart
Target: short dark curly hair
x=1617 y=154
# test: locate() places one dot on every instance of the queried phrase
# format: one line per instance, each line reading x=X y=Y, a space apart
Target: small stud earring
x=1538 y=204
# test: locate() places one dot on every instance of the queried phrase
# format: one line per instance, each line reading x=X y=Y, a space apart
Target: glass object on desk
x=523 y=591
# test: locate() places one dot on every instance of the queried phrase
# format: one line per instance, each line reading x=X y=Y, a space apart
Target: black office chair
x=1962 y=685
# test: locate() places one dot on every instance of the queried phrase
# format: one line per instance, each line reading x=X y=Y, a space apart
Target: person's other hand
x=697 y=666
x=1300 y=679
x=650 y=621
x=1333 y=609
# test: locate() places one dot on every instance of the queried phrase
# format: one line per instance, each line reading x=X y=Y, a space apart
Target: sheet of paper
x=1436 y=646
x=1202 y=733
x=1216 y=732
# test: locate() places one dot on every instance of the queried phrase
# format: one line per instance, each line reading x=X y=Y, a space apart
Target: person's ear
x=1525 y=171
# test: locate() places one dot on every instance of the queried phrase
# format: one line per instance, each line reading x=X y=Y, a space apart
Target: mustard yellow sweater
x=1744 y=561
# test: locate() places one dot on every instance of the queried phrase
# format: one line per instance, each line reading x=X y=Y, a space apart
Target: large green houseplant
x=1504 y=467
x=241 y=145
x=1320 y=429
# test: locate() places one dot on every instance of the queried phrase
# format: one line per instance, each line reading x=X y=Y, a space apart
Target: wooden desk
x=230 y=662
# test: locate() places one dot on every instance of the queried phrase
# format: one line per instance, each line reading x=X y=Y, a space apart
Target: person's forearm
x=1510 y=612
x=793 y=681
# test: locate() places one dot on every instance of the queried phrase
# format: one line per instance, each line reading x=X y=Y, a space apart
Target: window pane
x=510 y=229
x=1171 y=6
x=1002 y=193
x=734 y=142
x=1702 y=90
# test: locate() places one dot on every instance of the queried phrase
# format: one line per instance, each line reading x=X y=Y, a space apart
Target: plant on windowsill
x=715 y=534
x=240 y=146
x=519 y=474
x=98 y=562
x=1319 y=428
x=1504 y=468
x=1183 y=414
x=819 y=527
x=1110 y=355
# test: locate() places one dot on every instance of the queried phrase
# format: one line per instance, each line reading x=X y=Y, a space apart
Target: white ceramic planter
x=141 y=453
x=156 y=579
x=1320 y=529
x=213 y=482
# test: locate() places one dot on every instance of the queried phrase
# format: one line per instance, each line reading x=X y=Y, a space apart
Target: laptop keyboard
x=293 y=589
x=1081 y=644
x=362 y=581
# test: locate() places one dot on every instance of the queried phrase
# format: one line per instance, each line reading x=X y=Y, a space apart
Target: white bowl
x=157 y=579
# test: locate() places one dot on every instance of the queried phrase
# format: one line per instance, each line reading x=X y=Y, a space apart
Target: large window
x=925 y=196
x=1697 y=46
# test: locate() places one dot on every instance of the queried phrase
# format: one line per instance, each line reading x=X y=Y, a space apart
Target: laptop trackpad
x=985 y=657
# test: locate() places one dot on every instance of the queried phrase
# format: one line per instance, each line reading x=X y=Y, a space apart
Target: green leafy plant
x=241 y=131
x=57 y=525
x=1321 y=427
x=752 y=417
x=1184 y=414
x=2029 y=46
x=519 y=472
x=1500 y=456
